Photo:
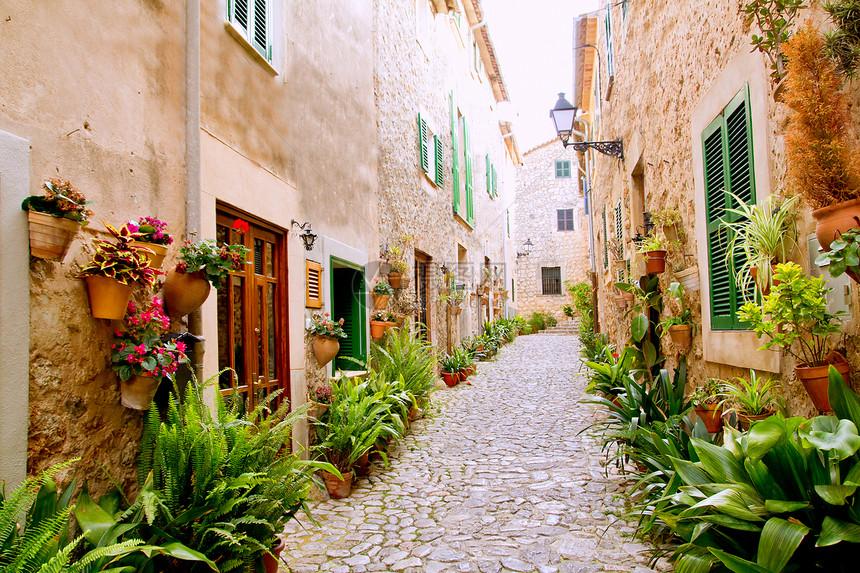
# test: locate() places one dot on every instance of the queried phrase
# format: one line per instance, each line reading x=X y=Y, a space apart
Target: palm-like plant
x=754 y=397
x=404 y=355
x=761 y=236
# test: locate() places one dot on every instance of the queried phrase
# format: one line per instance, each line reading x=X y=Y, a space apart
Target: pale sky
x=535 y=51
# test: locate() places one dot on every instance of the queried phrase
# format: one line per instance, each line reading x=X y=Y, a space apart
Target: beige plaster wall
x=676 y=66
x=539 y=196
x=415 y=77
x=107 y=115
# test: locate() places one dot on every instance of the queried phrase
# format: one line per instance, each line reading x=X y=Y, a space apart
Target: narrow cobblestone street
x=498 y=480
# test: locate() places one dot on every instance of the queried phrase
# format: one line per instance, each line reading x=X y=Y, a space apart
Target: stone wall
x=671 y=60
x=539 y=196
x=413 y=77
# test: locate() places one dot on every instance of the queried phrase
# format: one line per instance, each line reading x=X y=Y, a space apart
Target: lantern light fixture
x=308 y=237
x=563 y=115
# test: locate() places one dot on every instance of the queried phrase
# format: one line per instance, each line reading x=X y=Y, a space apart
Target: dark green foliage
x=843 y=43
x=402 y=354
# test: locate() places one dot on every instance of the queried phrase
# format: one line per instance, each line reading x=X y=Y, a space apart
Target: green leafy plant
x=214 y=261
x=453 y=298
x=150 y=230
x=844 y=254
x=654 y=242
x=141 y=349
x=843 y=43
x=685 y=317
x=794 y=316
x=774 y=19
x=711 y=392
x=403 y=355
x=606 y=375
x=567 y=310
x=450 y=363
x=752 y=397
x=645 y=301
x=383 y=316
x=382 y=288
x=61 y=200
x=120 y=261
x=761 y=236
x=323 y=325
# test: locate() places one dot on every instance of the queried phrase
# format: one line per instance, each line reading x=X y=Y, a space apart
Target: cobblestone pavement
x=499 y=479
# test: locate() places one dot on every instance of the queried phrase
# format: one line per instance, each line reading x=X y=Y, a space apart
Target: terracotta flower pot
x=156 y=258
x=270 y=560
x=747 y=420
x=656 y=262
x=414 y=413
x=712 y=416
x=108 y=297
x=689 y=279
x=185 y=292
x=834 y=220
x=682 y=335
x=50 y=237
x=337 y=488
x=138 y=391
x=377 y=328
x=451 y=378
x=464 y=374
x=816 y=379
x=455 y=311
x=620 y=301
x=317 y=410
x=362 y=466
x=394 y=279
x=380 y=301
x=388 y=325
x=325 y=348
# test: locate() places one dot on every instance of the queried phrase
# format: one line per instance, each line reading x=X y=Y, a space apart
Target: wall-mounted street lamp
x=563 y=115
x=308 y=237
x=527 y=247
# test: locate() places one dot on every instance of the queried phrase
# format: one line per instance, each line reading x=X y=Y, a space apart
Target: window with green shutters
x=469 y=173
x=605 y=242
x=455 y=155
x=440 y=177
x=610 y=58
x=728 y=167
x=423 y=145
x=562 y=169
x=489 y=176
x=430 y=153
x=251 y=19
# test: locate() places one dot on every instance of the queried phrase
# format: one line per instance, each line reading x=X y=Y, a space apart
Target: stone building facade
x=550 y=213
x=437 y=92
x=656 y=75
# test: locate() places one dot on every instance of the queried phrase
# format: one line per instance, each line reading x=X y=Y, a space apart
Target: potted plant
x=199 y=265
x=381 y=293
x=794 y=317
x=320 y=400
x=761 y=236
x=406 y=307
x=151 y=233
x=380 y=322
x=668 y=221
x=688 y=276
x=843 y=256
x=454 y=299
x=752 y=400
x=707 y=400
x=654 y=248
x=822 y=166
x=142 y=355
x=327 y=334
x=398 y=266
x=450 y=364
x=680 y=328
x=110 y=274
x=55 y=218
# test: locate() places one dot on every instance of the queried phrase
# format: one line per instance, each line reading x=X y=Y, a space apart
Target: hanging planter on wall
x=55 y=218
x=656 y=262
x=689 y=278
x=51 y=237
x=185 y=292
x=138 y=391
x=325 y=349
x=108 y=297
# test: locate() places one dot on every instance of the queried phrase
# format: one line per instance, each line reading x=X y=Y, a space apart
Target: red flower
x=241 y=226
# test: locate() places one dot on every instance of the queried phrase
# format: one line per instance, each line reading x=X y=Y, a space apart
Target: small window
x=430 y=152
x=562 y=169
x=551 y=280
x=565 y=219
x=251 y=19
x=313 y=276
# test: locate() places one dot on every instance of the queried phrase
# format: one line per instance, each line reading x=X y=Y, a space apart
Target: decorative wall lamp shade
x=527 y=248
x=563 y=116
x=308 y=237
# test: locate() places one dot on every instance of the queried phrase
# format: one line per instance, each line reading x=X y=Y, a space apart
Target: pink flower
x=180 y=346
x=140 y=349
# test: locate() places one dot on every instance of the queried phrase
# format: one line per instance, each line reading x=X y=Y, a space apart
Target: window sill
x=739 y=348
x=233 y=31
x=463 y=221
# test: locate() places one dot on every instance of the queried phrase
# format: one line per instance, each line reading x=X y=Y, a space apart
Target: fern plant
x=404 y=355
x=41 y=542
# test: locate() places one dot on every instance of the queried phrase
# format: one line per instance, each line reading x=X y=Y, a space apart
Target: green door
x=348 y=294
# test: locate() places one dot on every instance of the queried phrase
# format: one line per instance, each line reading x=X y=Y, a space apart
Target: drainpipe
x=192 y=153
x=478 y=25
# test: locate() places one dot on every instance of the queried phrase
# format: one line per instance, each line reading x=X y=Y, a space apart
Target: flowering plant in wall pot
x=654 y=247
x=55 y=218
x=142 y=355
x=111 y=272
x=326 y=333
x=151 y=233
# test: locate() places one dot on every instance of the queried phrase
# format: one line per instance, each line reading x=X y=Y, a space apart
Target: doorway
x=252 y=314
x=422 y=291
x=347 y=302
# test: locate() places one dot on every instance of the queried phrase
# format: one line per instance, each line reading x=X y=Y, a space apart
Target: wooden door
x=252 y=314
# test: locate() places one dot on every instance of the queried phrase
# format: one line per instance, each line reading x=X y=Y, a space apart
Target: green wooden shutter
x=619 y=231
x=728 y=166
x=260 y=35
x=440 y=176
x=423 y=145
x=489 y=177
x=467 y=157
x=347 y=290
x=455 y=159
x=495 y=182
x=605 y=242
x=610 y=58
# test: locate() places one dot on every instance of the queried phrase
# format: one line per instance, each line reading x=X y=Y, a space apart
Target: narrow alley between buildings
x=500 y=477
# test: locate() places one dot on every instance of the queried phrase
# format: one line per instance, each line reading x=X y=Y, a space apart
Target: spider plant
x=761 y=235
x=754 y=397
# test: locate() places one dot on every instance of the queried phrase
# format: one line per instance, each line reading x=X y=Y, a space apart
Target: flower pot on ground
x=55 y=218
x=754 y=399
x=270 y=560
x=206 y=260
x=362 y=466
x=451 y=378
x=815 y=379
x=712 y=416
x=451 y=365
x=794 y=317
x=111 y=272
x=689 y=278
x=706 y=399
x=326 y=333
x=151 y=234
x=338 y=488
